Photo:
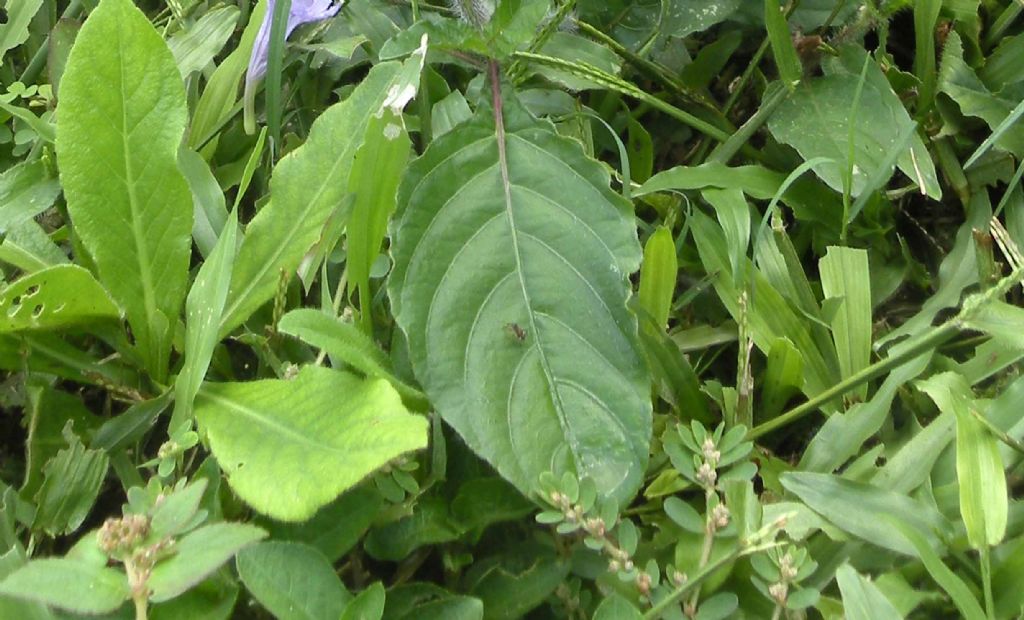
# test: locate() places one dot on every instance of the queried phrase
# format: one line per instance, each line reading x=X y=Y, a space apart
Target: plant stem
x=933 y=339
x=661 y=606
x=986 y=580
x=613 y=82
x=141 y=607
x=930 y=341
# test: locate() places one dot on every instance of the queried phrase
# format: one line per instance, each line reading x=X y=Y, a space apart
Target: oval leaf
x=510 y=281
x=293 y=581
x=322 y=431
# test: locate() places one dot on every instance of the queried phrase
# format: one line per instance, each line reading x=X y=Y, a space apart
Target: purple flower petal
x=301 y=12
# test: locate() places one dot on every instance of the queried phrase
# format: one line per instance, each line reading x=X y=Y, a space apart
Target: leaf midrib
x=142 y=250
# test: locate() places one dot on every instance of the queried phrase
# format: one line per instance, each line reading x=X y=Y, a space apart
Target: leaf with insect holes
x=57 y=297
x=510 y=281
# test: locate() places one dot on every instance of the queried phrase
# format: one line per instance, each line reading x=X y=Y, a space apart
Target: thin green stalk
x=141 y=607
x=745 y=77
x=999 y=433
x=986 y=581
x=728 y=149
x=650 y=69
x=661 y=606
x=615 y=83
x=931 y=340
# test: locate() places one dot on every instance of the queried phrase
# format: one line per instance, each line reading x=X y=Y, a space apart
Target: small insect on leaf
x=516 y=331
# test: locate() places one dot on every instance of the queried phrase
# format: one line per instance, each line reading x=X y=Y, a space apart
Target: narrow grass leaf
x=845 y=276
x=860 y=509
x=983 y=495
x=862 y=600
x=786 y=59
x=308 y=185
x=926 y=16
x=955 y=587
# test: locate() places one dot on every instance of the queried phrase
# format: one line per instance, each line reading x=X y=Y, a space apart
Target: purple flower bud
x=301 y=12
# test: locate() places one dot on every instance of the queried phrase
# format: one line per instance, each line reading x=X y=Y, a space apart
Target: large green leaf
x=322 y=431
x=816 y=120
x=309 y=185
x=510 y=282
x=958 y=80
x=122 y=116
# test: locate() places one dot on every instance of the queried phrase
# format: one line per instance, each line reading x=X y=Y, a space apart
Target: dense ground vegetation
x=511 y=308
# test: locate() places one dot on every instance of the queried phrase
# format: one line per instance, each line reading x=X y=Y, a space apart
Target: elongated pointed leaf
x=947 y=579
x=860 y=509
x=346 y=345
x=122 y=116
x=511 y=258
x=308 y=185
x=14 y=30
x=979 y=467
x=844 y=276
x=322 y=431
x=204 y=308
x=658 y=276
x=862 y=600
x=198 y=554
